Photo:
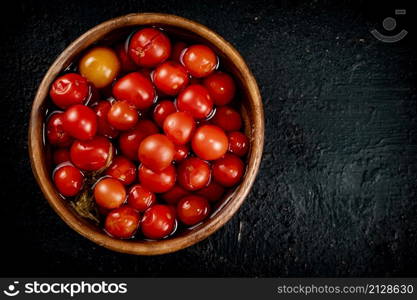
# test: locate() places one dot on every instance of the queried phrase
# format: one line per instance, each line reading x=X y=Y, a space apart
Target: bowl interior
x=249 y=104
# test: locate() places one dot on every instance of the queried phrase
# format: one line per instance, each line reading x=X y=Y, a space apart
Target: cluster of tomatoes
x=155 y=121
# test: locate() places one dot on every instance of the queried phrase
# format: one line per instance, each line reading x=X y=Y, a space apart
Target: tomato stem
x=85 y=206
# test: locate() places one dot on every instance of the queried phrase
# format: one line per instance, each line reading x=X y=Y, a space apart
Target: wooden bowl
x=251 y=109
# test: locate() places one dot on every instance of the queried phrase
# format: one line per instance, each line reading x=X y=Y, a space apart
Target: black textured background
x=336 y=193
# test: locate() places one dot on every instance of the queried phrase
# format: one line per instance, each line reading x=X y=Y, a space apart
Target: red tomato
x=91 y=155
x=162 y=110
x=129 y=141
x=170 y=78
x=193 y=209
x=109 y=193
x=177 y=51
x=181 y=152
x=156 y=152
x=140 y=198
x=221 y=87
x=61 y=155
x=127 y=64
x=80 y=122
x=209 y=142
x=227 y=118
x=55 y=132
x=103 y=127
x=213 y=192
x=68 y=180
x=158 y=222
x=122 y=169
x=199 y=60
x=228 y=170
x=194 y=174
x=179 y=127
x=196 y=100
x=157 y=182
x=136 y=89
x=175 y=194
x=122 y=115
x=238 y=143
x=149 y=47
x=122 y=222
x=69 y=89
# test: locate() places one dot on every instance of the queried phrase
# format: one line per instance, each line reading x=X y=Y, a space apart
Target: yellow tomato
x=100 y=66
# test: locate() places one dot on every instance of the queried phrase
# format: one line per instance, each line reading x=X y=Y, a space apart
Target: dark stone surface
x=336 y=193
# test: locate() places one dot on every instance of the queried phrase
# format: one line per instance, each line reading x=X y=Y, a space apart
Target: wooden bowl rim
x=230 y=207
